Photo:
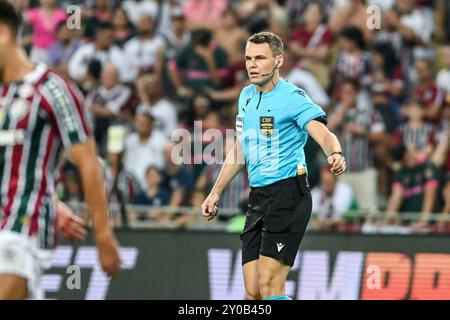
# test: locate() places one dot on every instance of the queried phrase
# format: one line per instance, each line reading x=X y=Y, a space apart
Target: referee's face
x=259 y=61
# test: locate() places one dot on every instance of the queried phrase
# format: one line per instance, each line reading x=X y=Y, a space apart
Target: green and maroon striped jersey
x=39 y=116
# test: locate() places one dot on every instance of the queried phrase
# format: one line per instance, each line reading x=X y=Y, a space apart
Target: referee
x=273 y=122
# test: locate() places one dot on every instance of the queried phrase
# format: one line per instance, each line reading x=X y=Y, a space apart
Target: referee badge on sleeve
x=266 y=125
x=239 y=124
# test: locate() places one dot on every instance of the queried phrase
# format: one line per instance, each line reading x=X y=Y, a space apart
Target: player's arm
x=84 y=157
x=394 y=202
x=234 y=163
x=160 y=61
x=329 y=144
x=177 y=80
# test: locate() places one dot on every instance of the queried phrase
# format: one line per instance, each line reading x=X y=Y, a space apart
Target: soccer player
x=39 y=114
x=273 y=122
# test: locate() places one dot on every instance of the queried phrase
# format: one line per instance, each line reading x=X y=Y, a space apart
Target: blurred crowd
x=379 y=68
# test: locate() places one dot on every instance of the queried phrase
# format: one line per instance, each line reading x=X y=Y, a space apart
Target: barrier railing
x=358 y=221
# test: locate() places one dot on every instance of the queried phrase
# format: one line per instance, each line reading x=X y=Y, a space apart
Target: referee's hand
x=337 y=164
x=210 y=206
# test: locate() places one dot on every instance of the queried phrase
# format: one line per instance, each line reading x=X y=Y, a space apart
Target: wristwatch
x=339 y=153
x=336 y=152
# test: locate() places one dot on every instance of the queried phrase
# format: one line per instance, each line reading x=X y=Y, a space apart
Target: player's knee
x=13 y=288
x=268 y=283
x=252 y=294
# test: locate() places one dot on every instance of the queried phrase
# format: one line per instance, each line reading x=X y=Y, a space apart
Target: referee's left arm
x=329 y=144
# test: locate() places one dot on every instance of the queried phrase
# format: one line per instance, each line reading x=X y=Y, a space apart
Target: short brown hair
x=9 y=16
x=274 y=41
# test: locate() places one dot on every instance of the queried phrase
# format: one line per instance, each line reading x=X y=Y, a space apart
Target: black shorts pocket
x=303 y=183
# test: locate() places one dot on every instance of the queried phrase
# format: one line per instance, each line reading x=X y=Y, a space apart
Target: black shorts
x=276 y=221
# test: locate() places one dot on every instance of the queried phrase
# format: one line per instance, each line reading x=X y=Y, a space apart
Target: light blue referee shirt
x=271 y=128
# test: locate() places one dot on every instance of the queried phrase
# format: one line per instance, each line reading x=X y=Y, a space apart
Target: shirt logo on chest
x=19 y=109
x=266 y=126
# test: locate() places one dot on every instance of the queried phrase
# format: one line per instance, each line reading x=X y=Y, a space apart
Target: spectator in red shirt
x=426 y=90
x=311 y=43
x=444 y=148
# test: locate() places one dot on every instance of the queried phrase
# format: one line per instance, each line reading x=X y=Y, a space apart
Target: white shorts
x=21 y=256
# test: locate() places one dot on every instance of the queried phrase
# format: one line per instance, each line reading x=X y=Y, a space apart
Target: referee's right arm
x=234 y=163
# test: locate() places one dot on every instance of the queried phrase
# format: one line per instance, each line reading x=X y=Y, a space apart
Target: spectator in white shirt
x=414 y=23
x=101 y=52
x=443 y=76
x=144 y=148
x=150 y=95
x=332 y=199
x=135 y=8
x=166 y=15
x=178 y=36
x=304 y=79
x=108 y=103
x=176 y=39
x=145 y=52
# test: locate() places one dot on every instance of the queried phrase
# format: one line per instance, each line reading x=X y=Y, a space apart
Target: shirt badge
x=266 y=126
x=19 y=109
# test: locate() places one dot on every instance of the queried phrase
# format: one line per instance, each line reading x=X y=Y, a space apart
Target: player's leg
x=20 y=267
x=13 y=257
x=251 y=243
x=13 y=287
x=272 y=277
x=251 y=280
x=284 y=226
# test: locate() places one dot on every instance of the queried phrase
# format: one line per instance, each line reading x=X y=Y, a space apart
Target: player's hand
x=337 y=164
x=420 y=225
x=108 y=251
x=70 y=226
x=210 y=206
